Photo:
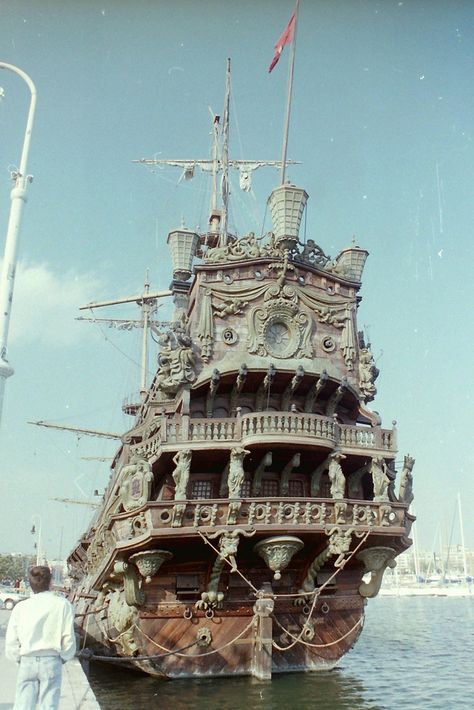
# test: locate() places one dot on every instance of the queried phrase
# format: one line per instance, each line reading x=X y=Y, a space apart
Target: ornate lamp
x=149 y=562
x=183 y=246
x=278 y=551
x=287 y=203
x=351 y=261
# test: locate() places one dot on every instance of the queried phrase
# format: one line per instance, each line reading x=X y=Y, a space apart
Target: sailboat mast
x=145 y=313
x=225 y=159
x=288 y=100
x=464 y=561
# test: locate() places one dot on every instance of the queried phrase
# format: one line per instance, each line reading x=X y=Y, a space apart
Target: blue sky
x=383 y=121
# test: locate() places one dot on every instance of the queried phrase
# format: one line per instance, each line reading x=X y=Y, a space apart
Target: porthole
x=258 y=275
x=229 y=336
x=228 y=278
x=328 y=345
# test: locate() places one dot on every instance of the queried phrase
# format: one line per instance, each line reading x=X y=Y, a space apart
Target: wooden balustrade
x=318 y=514
x=266 y=425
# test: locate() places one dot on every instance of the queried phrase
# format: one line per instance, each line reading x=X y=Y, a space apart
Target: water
x=413 y=654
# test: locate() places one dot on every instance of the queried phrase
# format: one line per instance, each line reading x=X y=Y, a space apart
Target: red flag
x=286 y=38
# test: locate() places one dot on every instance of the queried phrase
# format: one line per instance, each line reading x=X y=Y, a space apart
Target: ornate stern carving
x=181 y=473
x=336 y=476
x=376 y=561
x=280 y=328
x=236 y=474
x=134 y=595
x=149 y=562
x=405 y=493
x=176 y=361
x=380 y=479
x=278 y=552
x=368 y=373
x=228 y=545
x=339 y=544
x=135 y=483
x=122 y=617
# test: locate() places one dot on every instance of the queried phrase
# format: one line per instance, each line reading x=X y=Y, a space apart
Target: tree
x=15 y=566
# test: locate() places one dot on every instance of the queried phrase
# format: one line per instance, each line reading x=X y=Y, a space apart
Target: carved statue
x=336 y=476
x=380 y=479
x=313 y=254
x=232 y=307
x=236 y=471
x=405 y=493
x=181 y=473
x=368 y=373
x=244 y=248
x=228 y=545
x=176 y=361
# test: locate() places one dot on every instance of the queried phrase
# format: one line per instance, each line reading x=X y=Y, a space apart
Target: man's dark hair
x=40 y=578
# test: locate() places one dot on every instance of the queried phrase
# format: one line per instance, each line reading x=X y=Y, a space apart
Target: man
x=40 y=638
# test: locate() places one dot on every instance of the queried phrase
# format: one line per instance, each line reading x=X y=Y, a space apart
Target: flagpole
x=289 y=96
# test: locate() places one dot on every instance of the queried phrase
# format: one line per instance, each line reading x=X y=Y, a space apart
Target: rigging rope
x=228 y=561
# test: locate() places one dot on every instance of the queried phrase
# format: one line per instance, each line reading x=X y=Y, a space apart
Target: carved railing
x=266 y=425
x=317 y=513
x=261 y=424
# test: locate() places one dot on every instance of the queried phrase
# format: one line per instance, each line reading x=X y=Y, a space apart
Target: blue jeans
x=38 y=681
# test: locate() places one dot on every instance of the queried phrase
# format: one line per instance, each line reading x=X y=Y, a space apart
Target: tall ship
x=252 y=506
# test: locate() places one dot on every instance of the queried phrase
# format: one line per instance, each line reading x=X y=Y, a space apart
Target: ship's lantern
x=183 y=246
x=287 y=203
x=351 y=261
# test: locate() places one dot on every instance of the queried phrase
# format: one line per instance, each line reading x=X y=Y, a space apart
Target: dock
x=76 y=693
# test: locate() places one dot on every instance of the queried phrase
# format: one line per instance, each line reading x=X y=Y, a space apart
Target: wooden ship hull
x=251 y=509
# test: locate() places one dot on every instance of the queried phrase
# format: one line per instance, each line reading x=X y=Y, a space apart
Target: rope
x=92 y=611
x=313 y=645
x=197 y=655
x=228 y=561
x=127 y=659
x=316 y=593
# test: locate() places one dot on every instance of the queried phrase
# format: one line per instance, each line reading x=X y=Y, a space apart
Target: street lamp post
x=39 y=554
x=18 y=199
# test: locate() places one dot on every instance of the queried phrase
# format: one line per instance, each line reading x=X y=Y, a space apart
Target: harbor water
x=414 y=653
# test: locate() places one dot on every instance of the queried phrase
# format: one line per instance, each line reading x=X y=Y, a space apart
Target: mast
x=464 y=561
x=225 y=159
x=147 y=302
x=289 y=97
x=78 y=430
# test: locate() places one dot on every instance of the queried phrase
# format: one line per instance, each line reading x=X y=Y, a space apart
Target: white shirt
x=42 y=625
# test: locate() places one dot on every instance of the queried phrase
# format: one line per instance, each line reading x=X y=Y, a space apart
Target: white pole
x=145 y=311
x=38 y=541
x=18 y=198
x=464 y=561
x=288 y=100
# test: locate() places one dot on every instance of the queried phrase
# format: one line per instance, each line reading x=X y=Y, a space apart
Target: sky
x=382 y=122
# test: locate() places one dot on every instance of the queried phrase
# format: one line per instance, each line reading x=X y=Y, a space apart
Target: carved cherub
x=234 y=307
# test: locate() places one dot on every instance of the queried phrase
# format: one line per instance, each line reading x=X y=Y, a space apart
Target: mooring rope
x=127 y=659
x=198 y=655
x=316 y=593
x=313 y=645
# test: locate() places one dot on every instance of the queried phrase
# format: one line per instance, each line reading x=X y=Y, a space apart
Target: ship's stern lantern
x=183 y=246
x=287 y=204
x=350 y=262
